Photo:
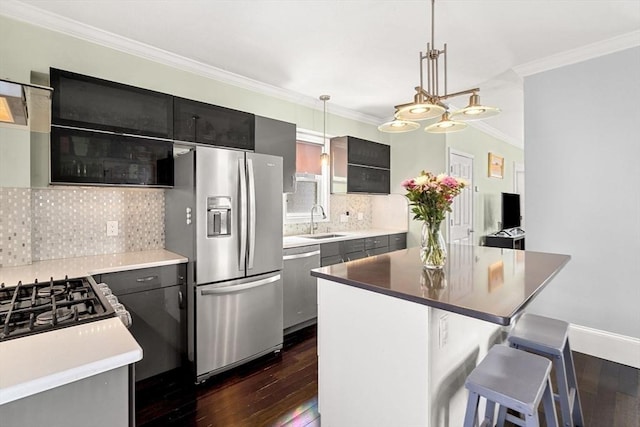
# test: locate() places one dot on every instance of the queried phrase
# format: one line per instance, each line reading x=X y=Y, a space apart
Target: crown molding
x=32 y=15
x=594 y=50
x=490 y=130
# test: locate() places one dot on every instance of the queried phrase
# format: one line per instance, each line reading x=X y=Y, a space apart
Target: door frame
x=461 y=153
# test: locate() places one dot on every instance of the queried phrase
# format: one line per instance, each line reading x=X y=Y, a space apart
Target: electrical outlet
x=360 y=216
x=443 y=330
x=112 y=228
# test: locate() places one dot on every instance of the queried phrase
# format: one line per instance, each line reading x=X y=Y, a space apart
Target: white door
x=518 y=187
x=461 y=216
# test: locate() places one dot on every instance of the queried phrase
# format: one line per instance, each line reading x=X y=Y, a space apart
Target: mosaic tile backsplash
x=15 y=226
x=339 y=204
x=64 y=222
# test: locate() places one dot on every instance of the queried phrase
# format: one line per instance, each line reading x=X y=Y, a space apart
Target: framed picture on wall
x=496 y=166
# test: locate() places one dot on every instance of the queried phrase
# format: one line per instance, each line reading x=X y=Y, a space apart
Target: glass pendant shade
x=446 y=125
x=419 y=111
x=398 y=126
x=324 y=159
x=475 y=110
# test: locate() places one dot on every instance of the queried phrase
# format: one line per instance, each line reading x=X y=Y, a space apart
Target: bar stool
x=515 y=380
x=550 y=338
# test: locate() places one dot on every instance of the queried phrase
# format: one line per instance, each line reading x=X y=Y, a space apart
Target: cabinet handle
x=302 y=255
x=146 y=279
x=180 y=300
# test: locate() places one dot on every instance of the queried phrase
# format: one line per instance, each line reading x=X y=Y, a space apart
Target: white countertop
x=87 y=266
x=40 y=362
x=306 y=240
x=46 y=360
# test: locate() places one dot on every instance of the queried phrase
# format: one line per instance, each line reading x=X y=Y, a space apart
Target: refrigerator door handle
x=252 y=213
x=242 y=287
x=242 y=226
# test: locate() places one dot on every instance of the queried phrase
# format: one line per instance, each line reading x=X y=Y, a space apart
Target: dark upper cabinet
x=360 y=166
x=213 y=125
x=278 y=138
x=367 y=153
x=91 y=157
x=368 y=180
x=92 y=103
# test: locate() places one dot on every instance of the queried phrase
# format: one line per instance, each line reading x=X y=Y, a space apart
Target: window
x=312 y=180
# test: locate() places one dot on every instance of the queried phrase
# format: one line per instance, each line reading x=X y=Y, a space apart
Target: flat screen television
x=510 y=210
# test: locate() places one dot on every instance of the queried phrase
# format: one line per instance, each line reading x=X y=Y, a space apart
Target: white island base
x=385 y=361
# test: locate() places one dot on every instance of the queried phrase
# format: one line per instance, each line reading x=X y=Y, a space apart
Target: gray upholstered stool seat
x=550 y=338
x=514 y=380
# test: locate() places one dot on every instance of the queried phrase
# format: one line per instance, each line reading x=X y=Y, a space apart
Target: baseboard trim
x=605 y=345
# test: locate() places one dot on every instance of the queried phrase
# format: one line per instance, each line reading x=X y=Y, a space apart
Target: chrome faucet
x=324 y=216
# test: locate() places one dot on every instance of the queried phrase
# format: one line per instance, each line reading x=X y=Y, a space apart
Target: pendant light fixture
x=324 y=157
x=446 y=125
x=398 y=126
x=428 y=101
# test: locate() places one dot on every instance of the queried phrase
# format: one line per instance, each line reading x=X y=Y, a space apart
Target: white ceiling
x=364 y=53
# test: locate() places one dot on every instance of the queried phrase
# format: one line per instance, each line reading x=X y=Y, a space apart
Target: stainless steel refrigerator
x=225 y=214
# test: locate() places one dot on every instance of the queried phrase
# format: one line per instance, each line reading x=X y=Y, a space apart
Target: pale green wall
x=487 y=202
x=14 y=157
x=411 y=153
x=25 y=48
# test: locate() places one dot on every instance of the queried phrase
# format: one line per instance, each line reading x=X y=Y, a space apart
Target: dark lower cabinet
x=155 y=299
x=349 y=250
x=397 y=241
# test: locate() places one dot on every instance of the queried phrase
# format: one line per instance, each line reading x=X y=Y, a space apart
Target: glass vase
x=433 y=252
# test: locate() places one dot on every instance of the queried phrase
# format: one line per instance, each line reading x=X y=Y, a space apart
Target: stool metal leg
x=549 y=406
x=489 y=412
x=532 y=420
x=563 y=390
x=578 y=419
x=472 y=410
x=502 y=416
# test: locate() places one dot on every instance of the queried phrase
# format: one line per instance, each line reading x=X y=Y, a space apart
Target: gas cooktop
x=27 y=309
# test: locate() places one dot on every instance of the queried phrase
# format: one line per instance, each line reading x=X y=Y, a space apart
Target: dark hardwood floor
x=282 y=390
x=275 y=390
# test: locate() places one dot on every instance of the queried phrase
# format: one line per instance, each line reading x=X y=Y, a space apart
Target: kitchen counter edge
x=304 y=239
x=38 y=363
x=88 y=265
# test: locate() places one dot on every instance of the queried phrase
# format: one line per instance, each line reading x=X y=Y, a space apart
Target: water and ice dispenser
x=218 y=216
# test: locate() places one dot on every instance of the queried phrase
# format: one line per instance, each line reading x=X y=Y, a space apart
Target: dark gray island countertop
x=486 y=283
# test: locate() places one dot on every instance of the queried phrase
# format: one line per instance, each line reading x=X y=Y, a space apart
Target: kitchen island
x=396 y=342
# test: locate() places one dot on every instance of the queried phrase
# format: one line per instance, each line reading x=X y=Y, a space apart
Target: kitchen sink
x=322 y=236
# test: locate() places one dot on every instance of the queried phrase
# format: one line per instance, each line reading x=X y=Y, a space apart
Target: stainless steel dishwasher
x=299 y=288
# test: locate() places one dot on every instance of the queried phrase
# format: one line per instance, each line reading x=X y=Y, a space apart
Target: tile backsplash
x=339 y=204
x=64 y=222
x=15 y=226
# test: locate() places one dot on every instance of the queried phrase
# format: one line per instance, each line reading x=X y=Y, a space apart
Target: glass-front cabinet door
x=213 y=125
x=93 y=157
x=92 y=103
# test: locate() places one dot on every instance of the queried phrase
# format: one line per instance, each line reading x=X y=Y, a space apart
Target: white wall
x=582 y=160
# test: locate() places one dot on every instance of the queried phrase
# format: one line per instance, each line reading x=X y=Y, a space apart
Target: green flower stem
x=432 y=254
